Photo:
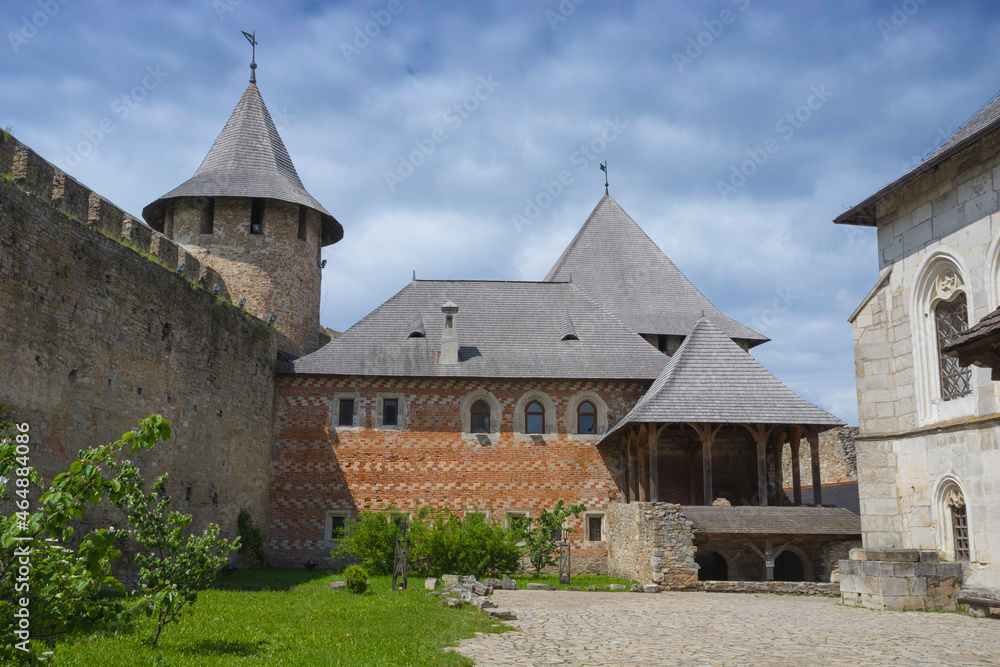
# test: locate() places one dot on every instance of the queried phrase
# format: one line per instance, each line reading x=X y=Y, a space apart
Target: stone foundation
x=899 y=580
x=651 y=542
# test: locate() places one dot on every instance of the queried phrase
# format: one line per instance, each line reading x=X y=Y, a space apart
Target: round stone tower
x=246 y=214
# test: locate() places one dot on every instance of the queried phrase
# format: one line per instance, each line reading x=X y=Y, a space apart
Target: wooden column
x=707 y=435
x=623 y=474
x=654 y=468
x=633 y=465
x=760 y=434
x=814 y=455
x=642 y=465
x=796 y=471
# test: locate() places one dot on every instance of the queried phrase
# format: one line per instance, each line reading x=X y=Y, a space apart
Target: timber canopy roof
x=769 y=521
x=619 y=267
x=982 y=124
x=980 y=345
x=505 y=329
x=248 y=159
x=710 y=379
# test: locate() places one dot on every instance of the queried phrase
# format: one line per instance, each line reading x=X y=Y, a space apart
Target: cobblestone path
x=570 y=628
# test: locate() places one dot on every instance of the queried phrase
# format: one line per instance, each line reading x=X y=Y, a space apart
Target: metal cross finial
x=604 y=168
x=253 y=57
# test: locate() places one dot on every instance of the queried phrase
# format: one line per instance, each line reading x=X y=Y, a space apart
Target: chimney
x=449 y=335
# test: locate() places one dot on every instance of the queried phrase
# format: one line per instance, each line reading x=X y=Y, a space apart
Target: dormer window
x=571 y=336
x=416 y=334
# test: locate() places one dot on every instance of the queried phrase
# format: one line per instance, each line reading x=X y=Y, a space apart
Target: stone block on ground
x=541 y=587
x=337 y=585
x=615 y=587
x=430 y=583
x=452 y=602
x=495 y=583
x=508 y=584
x=635 y=588
x=502 y=614
x=450 y=578
x=650 y=588
x=572 y=588
x=477 y=588
x=591 y=588
x=484 y=603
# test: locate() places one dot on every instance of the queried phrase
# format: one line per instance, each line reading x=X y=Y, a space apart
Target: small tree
x=251 y=540
x=173 y=567
x=372 y=538
x=537 y=536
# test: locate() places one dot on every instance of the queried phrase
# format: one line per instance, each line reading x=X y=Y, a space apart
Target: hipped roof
x=505 y=330
x=248 y=159
x=619 y=267
x=710 y=379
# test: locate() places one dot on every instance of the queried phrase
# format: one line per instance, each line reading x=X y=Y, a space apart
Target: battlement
x=45 y=181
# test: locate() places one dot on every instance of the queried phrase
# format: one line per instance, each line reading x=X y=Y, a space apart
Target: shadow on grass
x=268 y=579
x=228 y=647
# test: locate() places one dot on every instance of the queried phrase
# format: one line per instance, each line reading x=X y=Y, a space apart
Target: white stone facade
x=938 y=241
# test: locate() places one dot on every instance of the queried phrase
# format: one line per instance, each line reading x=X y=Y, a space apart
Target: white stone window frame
x=942 y=517
x=587 y=516
x=928 y=291
x=549 y=408
x=328 y=524
x=571 y=417
x=400 y=411
x=335 y=410
x=496 y=414
x=508 y=514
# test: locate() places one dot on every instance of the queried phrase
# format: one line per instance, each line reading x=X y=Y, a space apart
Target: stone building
x=927 y=451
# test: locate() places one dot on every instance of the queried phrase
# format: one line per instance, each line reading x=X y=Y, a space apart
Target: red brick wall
x=316 y=467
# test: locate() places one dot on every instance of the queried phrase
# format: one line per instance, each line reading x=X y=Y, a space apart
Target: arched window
x=534 y=418
x=951 y=319
x=959 y=524
x=480 y=417
x=586 y=418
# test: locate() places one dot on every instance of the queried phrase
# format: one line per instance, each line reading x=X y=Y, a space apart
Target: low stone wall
x=651 y=542
x=788 y=587
x=899 y=580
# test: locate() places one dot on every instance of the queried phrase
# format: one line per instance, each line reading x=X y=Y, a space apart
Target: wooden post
x=633 y=465
x=707 y=435
x=761 y=471
x=769 y=564
x=623 y=476
x=654 y=469
x=817 y=482
x=641 y=465
x=796 y=469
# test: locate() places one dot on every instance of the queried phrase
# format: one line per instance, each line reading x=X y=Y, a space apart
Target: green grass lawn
x=291 y=617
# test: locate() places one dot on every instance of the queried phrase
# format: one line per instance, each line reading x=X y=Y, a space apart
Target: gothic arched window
x=480 y=417
x=959 y=525
x=534 y=418
x=586 y=418
x=951 y=319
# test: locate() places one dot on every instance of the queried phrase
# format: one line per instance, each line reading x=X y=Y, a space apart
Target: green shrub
x=540 y=546
x=372 y=538
x=442 y=542
x=356 y=579
x=251 y=540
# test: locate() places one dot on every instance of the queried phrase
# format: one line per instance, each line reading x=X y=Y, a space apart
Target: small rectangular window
x=594 y=525
x=257 y=215
x=346 y=412
x=303 y=217
x=390 y=412
x=336 y=525
x=516 y=518
x=557 y=535
x=208 y=216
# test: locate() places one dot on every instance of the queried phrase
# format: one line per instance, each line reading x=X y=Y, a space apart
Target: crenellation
x=33 y=173
x=70 y=196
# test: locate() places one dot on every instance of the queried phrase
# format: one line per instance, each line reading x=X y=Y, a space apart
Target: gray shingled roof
x=983 y=123
x=619 y=266
x=747 y=520
x=248 y=159
x=710 y=379
x=505 y=329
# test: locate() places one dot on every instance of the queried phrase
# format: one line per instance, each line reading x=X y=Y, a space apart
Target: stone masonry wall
x=651 y=542
x=838 y=458
x=276 y=271
x=95 y=336
x=429 y=459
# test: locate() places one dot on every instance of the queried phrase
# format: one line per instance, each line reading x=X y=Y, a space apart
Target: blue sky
x=822 y=103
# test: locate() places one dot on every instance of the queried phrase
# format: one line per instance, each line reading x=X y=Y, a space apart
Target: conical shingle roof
x=710 y=379
x=248 y=159
x=619 y=267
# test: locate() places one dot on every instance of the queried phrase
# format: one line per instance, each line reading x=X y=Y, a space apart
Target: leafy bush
x=372 y=538
x=251 y=540
x=442 y=542
x=540 y=546
x=356 y=579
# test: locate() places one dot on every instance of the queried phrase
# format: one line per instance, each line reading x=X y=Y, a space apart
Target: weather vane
x=253 y=57
x=604 y=168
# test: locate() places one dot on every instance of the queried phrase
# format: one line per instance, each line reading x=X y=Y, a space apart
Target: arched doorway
x=788 y=567
x=711 y=566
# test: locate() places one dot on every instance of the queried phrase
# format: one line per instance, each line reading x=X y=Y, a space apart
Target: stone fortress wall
x=95 y=335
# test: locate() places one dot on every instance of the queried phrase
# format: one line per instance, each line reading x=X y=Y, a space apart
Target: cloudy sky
x=821 y=103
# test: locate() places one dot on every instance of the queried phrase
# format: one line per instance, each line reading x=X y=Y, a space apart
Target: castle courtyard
x=580 y=628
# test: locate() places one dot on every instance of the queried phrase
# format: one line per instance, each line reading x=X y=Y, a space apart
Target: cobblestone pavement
x=570 y=628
